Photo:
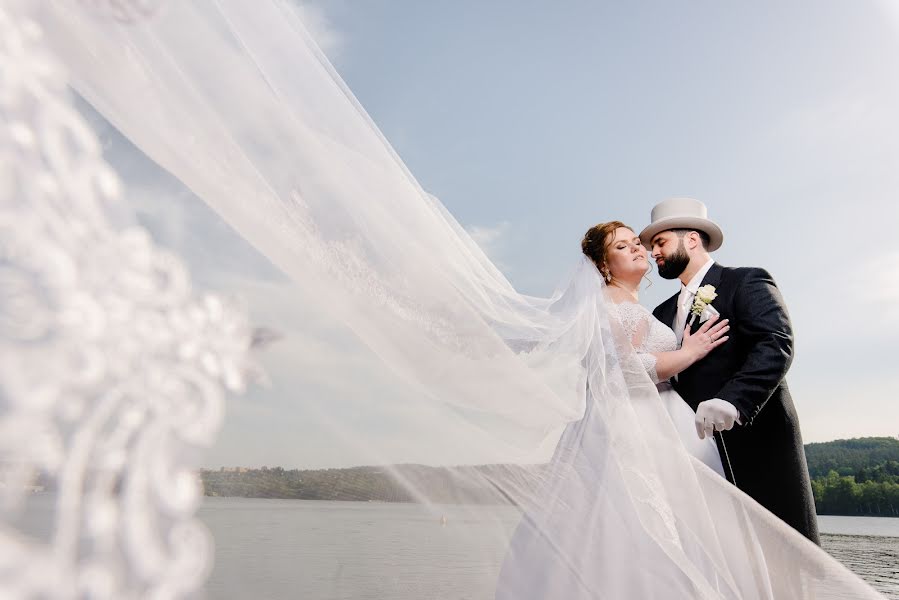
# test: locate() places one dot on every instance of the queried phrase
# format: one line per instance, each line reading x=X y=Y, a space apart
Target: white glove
x=715 y=415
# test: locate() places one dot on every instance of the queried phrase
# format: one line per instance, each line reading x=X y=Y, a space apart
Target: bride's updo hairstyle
x=596 y=242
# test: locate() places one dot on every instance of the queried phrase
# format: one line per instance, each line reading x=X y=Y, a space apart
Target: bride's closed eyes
x=622 y=245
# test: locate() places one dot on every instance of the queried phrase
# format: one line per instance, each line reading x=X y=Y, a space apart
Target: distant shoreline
x=509 y=505
x=856 y=477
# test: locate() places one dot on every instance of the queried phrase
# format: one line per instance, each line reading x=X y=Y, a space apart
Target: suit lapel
x=667 y=311
x=712 y=277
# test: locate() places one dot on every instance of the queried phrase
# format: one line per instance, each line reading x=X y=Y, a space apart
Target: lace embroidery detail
x=647 y=334
x=649 y=363
x=112 y=373
x=649 y=491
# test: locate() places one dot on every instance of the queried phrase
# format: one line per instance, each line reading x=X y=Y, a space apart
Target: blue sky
x=532 y=121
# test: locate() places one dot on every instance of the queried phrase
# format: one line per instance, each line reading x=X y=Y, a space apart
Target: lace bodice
x=647 y=334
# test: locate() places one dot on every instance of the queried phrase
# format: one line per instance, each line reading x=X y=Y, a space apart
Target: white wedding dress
x=649 y=336
x=553 y=547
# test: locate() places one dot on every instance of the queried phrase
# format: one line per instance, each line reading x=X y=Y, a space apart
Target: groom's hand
x=715 y=415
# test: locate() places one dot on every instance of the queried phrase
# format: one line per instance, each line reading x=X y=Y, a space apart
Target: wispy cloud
x=320 y=27
x=490 y=238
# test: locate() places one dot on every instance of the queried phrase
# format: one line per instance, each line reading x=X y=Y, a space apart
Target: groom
x=739 y=389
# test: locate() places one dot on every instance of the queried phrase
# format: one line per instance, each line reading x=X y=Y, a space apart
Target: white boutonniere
x=702 y=304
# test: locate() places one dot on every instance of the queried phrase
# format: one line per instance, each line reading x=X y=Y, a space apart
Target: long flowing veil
x=226 y=115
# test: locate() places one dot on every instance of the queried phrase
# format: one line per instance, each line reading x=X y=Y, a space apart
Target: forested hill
x=855 y=477
x=849 y=457
x=482 y=484
x=849 y=477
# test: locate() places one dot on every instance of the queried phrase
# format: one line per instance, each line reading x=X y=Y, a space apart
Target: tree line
x=849 y=477
x=855 y=477
x=482 y=484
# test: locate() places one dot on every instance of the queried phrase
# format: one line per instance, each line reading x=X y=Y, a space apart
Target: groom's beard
x=674 y=265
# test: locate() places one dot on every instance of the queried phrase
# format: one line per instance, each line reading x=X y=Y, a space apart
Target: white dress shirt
x=685 y=300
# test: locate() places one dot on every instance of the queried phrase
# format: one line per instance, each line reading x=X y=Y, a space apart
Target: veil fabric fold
x=235 y=101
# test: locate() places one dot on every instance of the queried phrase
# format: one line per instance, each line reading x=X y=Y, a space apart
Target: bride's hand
x=707 y=338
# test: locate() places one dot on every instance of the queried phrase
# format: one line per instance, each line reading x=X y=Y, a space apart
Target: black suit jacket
x=764 y=456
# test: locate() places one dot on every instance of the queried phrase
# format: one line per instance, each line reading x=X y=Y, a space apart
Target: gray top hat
x=682 y=213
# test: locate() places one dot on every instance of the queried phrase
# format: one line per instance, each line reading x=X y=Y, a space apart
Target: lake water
x=867 y=545
x=361 y=550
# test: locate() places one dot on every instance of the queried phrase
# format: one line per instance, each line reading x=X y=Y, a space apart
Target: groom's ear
x=696 y=239
x=701 y=238
x=691 y=240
